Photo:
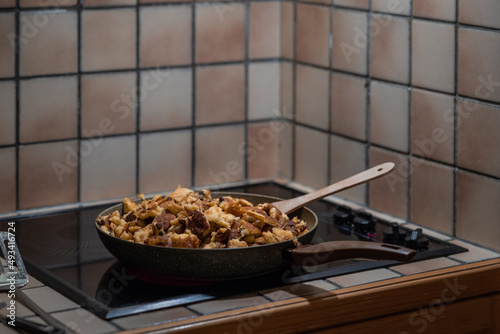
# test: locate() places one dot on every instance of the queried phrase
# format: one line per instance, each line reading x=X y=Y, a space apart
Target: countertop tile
x=82 y=321
x=297 y=290
x=154 y=318
x=474 y=254
x=427 y=265
x=21 y=310
x=5 y=329
x=226 y=304
x=33 y=283
x=50 y=300
x=363 y=277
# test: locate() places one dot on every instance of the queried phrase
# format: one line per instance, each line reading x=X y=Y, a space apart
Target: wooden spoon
x=293 y=204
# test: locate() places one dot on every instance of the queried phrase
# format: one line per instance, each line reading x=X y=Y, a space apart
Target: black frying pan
x=233 y=263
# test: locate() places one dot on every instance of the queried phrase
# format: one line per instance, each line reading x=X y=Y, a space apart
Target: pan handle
x=311 y=255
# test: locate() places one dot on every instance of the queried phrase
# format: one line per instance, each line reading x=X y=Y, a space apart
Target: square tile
x=165 y=35
x=363 y=277
x=390 y=48
x=7 y=3
x=8 y=112
x=286 y=87
x=108 y=39
x=49 y=299
x=38 y=3
x=286 y=29
x=166 y=100
x=48 y=174
x=7 y=46
x=426 y=265
x=107 y=168
x=107 y=104
x=8 y=179
x=220 y=33
x=89 y=3
x=478 y=136
x=161 y=1
x=298 y=290
x=313 y=34
x=431 y=194
x=389 y=115
x=311 y=157
x=21 y=310
x=389 y=193
x=474 y=253
x=83 y=321
x=312 y=94
x=220 y=94
x=264 y=32
x=164 y=165
x=350 y=41
x=263 y=90
x=432 y=125
x=433 y=55
x=479 y=47
x=400 y=7
x=50 y=50
x=479 y=12
x=359 y=4
x=226 y=304
x=347 y=157
x=154 y=318
x=220 y=155
x=477 y=201
x=348 y=105
x=445 y=10
x=285 y=152
x=48 y=109
x=262 y=149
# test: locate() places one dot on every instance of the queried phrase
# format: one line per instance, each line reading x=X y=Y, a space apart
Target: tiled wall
x=104 y=99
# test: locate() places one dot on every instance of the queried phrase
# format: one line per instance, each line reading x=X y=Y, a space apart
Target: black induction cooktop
x=63 y=250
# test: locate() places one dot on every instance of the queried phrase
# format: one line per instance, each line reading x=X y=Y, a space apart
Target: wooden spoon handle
x=293 y=204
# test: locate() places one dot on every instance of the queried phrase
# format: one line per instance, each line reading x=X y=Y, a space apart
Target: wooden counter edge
x=343 y=306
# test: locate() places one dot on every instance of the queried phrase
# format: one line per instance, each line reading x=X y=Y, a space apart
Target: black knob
x=394 y=235
x=363 y=222
x=417 y=240
x=342 y=215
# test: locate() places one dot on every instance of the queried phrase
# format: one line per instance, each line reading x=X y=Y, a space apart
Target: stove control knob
x=363 y=222
x=417 y=240
x=342 y=215
x=394 y=235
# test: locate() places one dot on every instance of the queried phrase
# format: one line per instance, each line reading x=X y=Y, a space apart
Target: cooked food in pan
x=189 y=219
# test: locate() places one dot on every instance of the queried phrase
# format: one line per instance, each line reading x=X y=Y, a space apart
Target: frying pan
x=234 y=263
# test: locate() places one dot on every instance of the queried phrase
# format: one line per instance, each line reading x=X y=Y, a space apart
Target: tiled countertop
x=86 y=322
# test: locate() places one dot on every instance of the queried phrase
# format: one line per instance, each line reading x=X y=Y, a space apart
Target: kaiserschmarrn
x=189 y=219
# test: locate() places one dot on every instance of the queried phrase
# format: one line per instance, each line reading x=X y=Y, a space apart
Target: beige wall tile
x=389 y=115
x=478 y=137
x=108 y=39
x=433 y=55
x=8 y=179
x=7 y=48
x=7 y=112
x=400 y=7
x=107 y=168
x=313 y=31
x=478 y=59
x=441 y=10
x=312 y=96
x=347 y=157
x=108 y=106
x=432 y=125
x=166 y=100
x=477 y=210
x=285 y=152
x=286 y=29
x=219 y=33
x=286 y=86
x=48 y=174
x=7 y=3
x=311 y=157
x=48 y=43
x=360 y=4
x=220 y=94
x=263 y=90
x=348 y=105
x=161 y=1
x=164 y=161
x=108 y=2
x=165 y=35
x=350 y=41
x=389 y=193
x=479 y=12
x=432 y=195
x=264 y=32
x=390 y=48
x=262 y=149
x=48 y=109
x=38 y=3
x=219 y=155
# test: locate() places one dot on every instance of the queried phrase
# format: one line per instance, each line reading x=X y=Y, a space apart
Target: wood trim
x=349 y=305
